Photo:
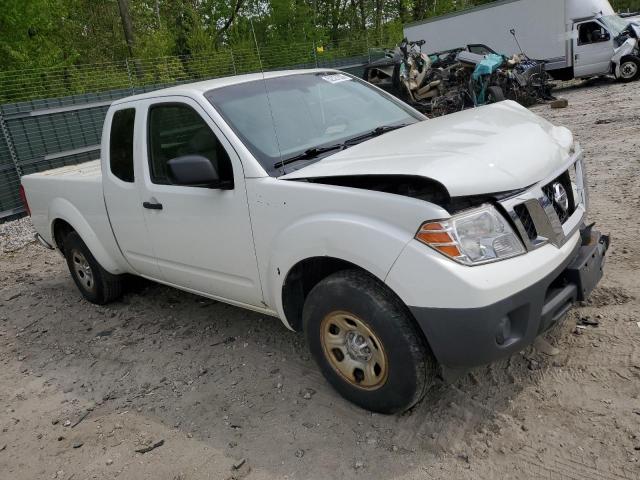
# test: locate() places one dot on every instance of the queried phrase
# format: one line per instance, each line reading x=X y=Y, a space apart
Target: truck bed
x=72 y=193
x=83 y=170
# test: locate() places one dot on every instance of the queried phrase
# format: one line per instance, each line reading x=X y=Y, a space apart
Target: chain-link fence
x=53 y=117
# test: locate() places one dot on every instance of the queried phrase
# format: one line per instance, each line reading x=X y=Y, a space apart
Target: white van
x=578 y=38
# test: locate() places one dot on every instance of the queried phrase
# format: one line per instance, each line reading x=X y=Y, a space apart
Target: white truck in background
x=577 y=38
x=396 y=243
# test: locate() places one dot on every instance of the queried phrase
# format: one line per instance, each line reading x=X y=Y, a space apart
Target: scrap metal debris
x=588 y=321
x=453 y=80
x=85 y=415
x=150 y=447
x=238 y=465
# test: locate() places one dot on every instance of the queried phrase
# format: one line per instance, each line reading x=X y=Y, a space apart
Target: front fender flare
x=370 y=244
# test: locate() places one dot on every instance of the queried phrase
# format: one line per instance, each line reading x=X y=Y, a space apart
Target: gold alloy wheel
x=354 y=350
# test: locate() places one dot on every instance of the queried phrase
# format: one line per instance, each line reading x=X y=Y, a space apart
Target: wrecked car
x=520 y=77
x=453 y=80
x=404 y=248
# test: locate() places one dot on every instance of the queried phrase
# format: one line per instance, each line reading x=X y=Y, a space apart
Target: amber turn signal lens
x=434 y=233
x=432 y=226
x=450 y=250
x=434 y=237
x=437 y=236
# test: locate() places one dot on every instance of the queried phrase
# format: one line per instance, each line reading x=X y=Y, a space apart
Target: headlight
x=473 y=238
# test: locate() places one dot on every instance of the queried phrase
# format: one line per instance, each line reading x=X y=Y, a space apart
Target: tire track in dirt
x=559 y=466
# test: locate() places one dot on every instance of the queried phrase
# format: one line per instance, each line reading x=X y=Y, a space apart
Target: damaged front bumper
x=461 y=338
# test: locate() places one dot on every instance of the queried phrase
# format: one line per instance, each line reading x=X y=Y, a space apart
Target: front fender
x=62 y=209
x=627 y=48
x=371 y=244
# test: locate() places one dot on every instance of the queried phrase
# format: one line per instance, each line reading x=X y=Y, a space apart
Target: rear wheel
x=366 y=343
x=629 y=69
x=94 y=282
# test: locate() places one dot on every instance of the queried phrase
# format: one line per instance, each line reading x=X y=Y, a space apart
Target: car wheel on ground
x=94 y=282
x=629 y=69
x=366 y=342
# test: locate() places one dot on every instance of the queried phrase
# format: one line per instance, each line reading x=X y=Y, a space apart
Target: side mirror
x=195 y=171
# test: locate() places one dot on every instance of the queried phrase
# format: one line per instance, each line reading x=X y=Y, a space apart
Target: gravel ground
x=232 y=394
x=15 y=235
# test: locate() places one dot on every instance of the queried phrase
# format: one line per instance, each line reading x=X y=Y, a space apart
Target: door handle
x=152 y=206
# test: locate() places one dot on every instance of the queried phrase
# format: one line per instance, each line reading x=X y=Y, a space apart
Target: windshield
x=286 y=129
x=614 y=24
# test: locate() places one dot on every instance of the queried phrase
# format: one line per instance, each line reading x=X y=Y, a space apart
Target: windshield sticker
x=336 y=78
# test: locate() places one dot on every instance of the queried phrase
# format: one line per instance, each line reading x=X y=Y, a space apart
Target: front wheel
x=94 y=282
x=366 y=343
x=629 y=69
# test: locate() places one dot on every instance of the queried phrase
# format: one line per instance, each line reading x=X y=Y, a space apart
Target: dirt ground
x=233 y=394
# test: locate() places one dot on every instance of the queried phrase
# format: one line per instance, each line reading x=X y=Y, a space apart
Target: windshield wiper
x=314 y=152
x=309 y=154
x=376 y=132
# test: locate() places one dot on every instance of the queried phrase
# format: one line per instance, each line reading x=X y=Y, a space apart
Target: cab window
x=121 y=144
x=176 y=130
x=591 y=32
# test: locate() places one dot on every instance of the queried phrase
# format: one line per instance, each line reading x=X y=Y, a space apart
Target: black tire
x=94 y=282
x=410 y=366
x=495 y=94
x=629 y=69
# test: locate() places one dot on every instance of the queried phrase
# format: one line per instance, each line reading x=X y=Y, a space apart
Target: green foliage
x=63 y=47
x=32 y=37
x=626 y=5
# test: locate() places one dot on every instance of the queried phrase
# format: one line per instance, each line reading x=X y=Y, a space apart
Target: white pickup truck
x=403 y=247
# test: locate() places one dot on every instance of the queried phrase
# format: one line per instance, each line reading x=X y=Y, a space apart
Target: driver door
x=201 y=236
x=593 y=49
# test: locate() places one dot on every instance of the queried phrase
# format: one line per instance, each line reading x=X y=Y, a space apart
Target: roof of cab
x=206 y=85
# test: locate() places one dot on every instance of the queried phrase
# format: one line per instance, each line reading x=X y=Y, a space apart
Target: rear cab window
x=121 y=144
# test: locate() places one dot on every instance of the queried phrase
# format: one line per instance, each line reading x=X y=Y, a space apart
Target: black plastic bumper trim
x=463 y=338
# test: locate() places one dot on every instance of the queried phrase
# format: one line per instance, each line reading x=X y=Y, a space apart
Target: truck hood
x=491 y=149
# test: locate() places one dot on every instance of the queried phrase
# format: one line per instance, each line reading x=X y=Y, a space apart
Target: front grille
x=527 y=222
x=549 y=191
x=550 y=211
